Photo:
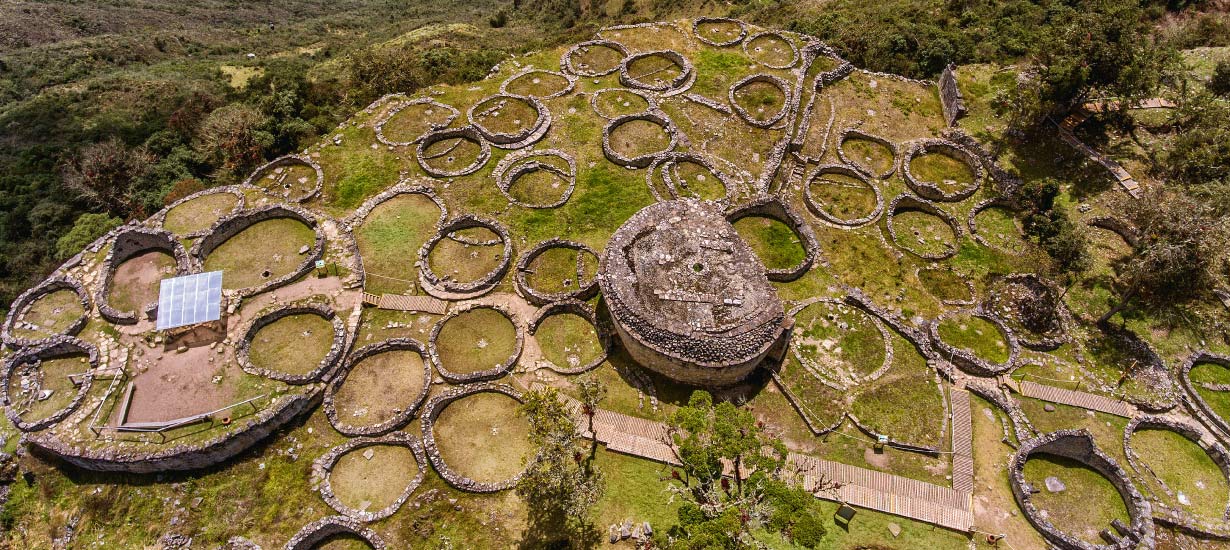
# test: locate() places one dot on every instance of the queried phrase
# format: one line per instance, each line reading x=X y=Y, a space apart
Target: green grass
x=51 y=313
x=876 y=157
x=774 y=242
x=199 y=213
x=1185 y=468
x=294 y=344
x=567 y=340
x=716 y=71
x=380 y=387
x=761 y=100
x=269 y=246
x=462 y=262
x=538 y=84
x=505 y=115
x=55 y=374
x=1212 y=373
x=940 y=169
x=389 y=239
x=553 y=267
x=363 y=176
x=944 y=284
x=998 y=226
x=1087 y=506
x=636 y=138
x=977 y=335
x=770 y=50
x=376 y=482
x=923 y=233
x=483 y=437
x=618 y=102
x=477 y=340
x=411 y=122
x=820 y=339
x=843 y=196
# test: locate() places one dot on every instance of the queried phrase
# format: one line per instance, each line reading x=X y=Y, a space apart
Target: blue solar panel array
x=189 y=300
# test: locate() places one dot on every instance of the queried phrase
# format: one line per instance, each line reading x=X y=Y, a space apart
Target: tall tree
x=592 y=391
x=1180 y=252
x=558 y=483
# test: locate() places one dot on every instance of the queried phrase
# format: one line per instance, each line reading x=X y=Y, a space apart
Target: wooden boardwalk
x=1077 y=399
x=1120 y=174
x=918 y=500
x=401 y=302
x=962 y=441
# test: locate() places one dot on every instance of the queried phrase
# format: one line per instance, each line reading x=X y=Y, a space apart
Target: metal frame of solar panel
x=189 y=300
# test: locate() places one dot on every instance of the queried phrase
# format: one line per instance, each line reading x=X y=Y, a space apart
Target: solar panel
x=189 y=300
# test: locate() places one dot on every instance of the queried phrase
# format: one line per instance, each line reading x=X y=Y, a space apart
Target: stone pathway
x=1077 y=399
x=917 y=500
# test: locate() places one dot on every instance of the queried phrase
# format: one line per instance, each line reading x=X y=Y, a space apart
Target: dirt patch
x=380 y=387
x=482 y=437
x=135 y=283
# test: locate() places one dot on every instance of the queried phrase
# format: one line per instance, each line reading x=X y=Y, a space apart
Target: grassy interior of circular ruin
x=977 y=335
x=944 y=284
x=829 y=336
x=55 y=374
x=537 y=84
x=842 y=196
x=774 y=242
x=550 y=270
x=475 y=341
x=451 y=155
x=1185 y=468
x=636 y=138
x=52 y=313
x=294 y=344
x=464 y=262
x=505 y=115
x=1206 y=374
x=264 y=251
x=412 y=121
x=874 y=156
x=761 y=100
x=617 y=102
x=200 y=213
x=1001 y=229
x=568 y=340
x=923 y=233
x=770 y=49
x=372 y=482
x=290 y=180
x=135 y=283
x=482 y=437
x=379 y=387
x=1087 y=505
x=390 y=237
x=943 y=171
x=541 y=186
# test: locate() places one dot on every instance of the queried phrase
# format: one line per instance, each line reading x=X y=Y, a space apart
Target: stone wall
x=584 y=311
x=51 y=348
x=287 y=161
x=322 y=468
x=232 y=225
x=243 y=349
x=434 y=284
x=54 y=283
x=968 y=361
x=313 y=534
x=1192 y=398
x=929 y=190
x=818 y=209
x=515 y=140
x=775 y=208
x=357 y=356
x=453 y=113
x=508 y=171
x=158 y=219
x=1170 y=515
x=432 y=411
x=465 y=132
x=643 y=161
x=950 y=96
x=134 y=241
x=908 y=202
x=584 y=289
x=855 y=133
x=772 y=80
x=478 y=376
x=1078 y=445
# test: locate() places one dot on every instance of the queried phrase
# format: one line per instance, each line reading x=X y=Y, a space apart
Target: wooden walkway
x=401 y=302
x=1077 y=399
x=962 y=441
x=1121 y=175
x=918 y=500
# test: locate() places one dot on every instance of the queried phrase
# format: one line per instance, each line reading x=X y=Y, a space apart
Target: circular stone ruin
x=292 y=178
x=839 y=343
x=474 y=438
x=510 y=121
x=1078 y=446
x=593 y=58
x=771 y=49
x=612 y=103
x=990 y=232
x=946 y=285
x=292 y=336
x=192 y=216
x=139 y=258
x=689 y=298
x=924 y=219
x=455 y=251
x=663 y=71
x=689 y=176
x=452 y=152
x=556 y=270
x=941 y=170
x=475 y=343
x=537 y=179
x=1031 y=307
x=387 y=380
x=325 y=530
x=43 y=384
x=407 y=122
x=537 y=83
x=1189 y=487
x=961 y=337
x=842 y=196
x=752 y=94
x=773 y=210
x=719 y=31
x=563 y=329
x=261 y=249
x=58 y=306
x=636 y=141
x=362 y=467
x=1204 y=374
x=874 y=156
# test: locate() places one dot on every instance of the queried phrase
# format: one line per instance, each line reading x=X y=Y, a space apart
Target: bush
x=1220 y=83
x=499 y=20
x=87 y=228
x=808 y=531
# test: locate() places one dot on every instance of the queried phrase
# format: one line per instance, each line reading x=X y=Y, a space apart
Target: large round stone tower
x=688 y=297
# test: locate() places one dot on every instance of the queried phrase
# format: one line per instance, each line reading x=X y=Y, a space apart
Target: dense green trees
x=727 y=508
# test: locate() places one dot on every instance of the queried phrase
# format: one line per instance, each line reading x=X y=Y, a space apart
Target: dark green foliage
x=87 y=228
x=1051 y=226
x=1200 y=152
x=1219 y=84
